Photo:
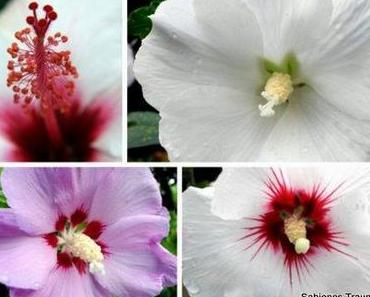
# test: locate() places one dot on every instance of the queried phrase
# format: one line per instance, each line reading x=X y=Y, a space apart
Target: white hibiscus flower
x=70 y=116
x=246 y=80
x=278 y=233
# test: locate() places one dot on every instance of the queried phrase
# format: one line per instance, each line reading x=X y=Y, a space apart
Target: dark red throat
x=267 y=230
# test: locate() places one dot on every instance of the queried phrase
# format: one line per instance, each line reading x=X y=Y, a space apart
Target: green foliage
x=170 y=242
x=142 y=129
x=3 y=3
x=169 y=292
x=139 y=22
x=3 y=203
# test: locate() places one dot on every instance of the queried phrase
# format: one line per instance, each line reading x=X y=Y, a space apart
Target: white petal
x=215 y=262
x=340 y=70
x=179 y=53
x=186 y=72
x=313 y=130
x=239 y=192
x=291 y=26
x=212 y=124
x=110 y=143
x=130 y=66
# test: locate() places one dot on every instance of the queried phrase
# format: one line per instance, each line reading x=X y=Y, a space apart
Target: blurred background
x=143 y=142
x=167 y=180
x=200 y=178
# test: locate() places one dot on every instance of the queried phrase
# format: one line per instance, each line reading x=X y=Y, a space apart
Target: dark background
x=199 y=177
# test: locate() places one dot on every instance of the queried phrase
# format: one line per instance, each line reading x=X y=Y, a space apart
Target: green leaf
x=170 y=242
x=173 y=189
x=139 y=24
x=143 y=129
x=168 y=292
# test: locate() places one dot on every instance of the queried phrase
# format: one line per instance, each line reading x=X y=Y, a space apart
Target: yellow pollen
x=277 y=90
x=82 y=246
x=295 y=230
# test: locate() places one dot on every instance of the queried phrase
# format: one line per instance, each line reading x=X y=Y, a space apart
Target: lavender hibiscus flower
x=83 y=232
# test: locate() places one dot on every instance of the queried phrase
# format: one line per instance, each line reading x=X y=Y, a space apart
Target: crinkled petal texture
x=218 y=259
x=126 y=201
x=205 y=79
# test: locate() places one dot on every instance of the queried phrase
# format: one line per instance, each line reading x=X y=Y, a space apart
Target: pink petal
x=25 y=261
x=65 y=283
x=137 y=265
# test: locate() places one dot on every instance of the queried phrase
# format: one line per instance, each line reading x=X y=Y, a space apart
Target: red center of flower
x=80 y=128
x=309 y=207
x=39 y=71
x=78 y=222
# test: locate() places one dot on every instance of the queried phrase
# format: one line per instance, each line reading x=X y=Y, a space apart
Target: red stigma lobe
x=37 y=70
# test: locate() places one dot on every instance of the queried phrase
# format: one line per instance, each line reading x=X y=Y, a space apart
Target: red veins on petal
x=78 y=217
x=94 y=229
x=64 y=260
x=37 y=70
x=60 y=224
x=80 y=265
x=80 y=128
x=51 y=239
x=268 y=231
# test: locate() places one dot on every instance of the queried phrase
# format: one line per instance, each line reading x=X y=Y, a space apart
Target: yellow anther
x=277 y=90
x=82 y=246
x=295 y=230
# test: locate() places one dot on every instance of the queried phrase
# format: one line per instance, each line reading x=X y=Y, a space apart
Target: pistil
x=41 y=72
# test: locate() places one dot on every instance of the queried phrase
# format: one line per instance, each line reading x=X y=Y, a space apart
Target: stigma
x=295 y=230
x=37 y=70
x=277 y=90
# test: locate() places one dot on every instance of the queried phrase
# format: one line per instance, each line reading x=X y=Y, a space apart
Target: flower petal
x=65 y=283
x=25 y=261
x=137 y=265
x=314 y=130
x=31 y=193
x=291 y=26
x=340 y=68
x=179 y=53
x=239 y=192
x=124 y=192
x=215 y=259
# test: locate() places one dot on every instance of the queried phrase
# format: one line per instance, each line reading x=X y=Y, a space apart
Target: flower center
x=77 y=244
x=277 y=90
x=295 y=224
